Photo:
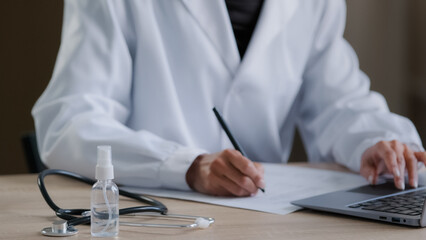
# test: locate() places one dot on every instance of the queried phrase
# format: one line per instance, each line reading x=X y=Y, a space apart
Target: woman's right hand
x=225 y=173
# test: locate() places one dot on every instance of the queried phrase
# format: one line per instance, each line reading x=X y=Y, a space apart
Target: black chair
x=29 y=144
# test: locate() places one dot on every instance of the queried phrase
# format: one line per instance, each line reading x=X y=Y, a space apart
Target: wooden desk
x=23 y=213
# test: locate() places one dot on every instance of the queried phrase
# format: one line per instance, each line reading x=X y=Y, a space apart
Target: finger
x=228 y=186
x=259 y=167
x=262 y=183
x=213 y=186
x=380 y=169
x=411 y=161
x=421 y=156
x=369 y=168
x=371 y=173
x=222 y=167
x=245 y=166
x=398 y=148
x=387 y=154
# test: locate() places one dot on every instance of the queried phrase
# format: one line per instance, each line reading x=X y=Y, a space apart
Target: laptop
x=381 y=202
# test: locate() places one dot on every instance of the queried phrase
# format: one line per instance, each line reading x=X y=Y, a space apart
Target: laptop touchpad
x=380 y=189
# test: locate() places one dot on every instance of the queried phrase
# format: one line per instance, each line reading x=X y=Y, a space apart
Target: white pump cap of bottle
x=104 y=168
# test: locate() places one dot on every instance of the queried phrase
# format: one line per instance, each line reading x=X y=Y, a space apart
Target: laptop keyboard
x=408 y=203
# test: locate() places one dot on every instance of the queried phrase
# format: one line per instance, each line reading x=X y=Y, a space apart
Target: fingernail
x=401 y=185
x=415 y=184
x=396 y=172
x=262 y=184
x=370 y=179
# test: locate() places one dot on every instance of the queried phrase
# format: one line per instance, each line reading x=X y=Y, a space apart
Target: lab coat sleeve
x=87 y=104
x=339 y=116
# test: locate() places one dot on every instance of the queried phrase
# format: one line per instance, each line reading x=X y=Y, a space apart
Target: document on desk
x=284 y=184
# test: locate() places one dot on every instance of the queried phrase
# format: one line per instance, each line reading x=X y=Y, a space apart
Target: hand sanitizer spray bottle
x=104 y=197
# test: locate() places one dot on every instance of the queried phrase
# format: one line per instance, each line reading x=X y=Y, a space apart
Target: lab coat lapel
x=213 y=18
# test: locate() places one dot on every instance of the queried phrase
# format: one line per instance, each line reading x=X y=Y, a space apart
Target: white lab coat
x=143 y=76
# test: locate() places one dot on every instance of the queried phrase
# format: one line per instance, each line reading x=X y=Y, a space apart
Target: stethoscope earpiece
x=203 y=222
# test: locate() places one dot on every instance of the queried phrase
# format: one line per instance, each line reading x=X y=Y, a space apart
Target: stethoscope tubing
x=70 y=214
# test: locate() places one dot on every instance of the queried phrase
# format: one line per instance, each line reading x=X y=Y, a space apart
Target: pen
x=230 y=136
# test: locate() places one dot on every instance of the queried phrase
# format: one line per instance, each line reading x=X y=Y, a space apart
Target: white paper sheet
x=284 y=184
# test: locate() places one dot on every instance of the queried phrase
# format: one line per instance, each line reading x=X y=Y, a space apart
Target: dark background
x=388 y=35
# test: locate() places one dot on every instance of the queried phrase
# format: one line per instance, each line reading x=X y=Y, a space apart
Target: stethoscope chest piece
x=59 y=228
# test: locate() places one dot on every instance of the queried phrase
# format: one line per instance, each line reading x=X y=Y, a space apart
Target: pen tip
x=262 y=189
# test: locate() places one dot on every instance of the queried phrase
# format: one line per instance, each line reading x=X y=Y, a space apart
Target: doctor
x=143 y=77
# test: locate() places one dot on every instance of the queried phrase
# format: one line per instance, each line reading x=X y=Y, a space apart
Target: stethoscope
x=73 y=217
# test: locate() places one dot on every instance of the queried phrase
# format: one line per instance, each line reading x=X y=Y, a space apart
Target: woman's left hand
x=391 y=157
